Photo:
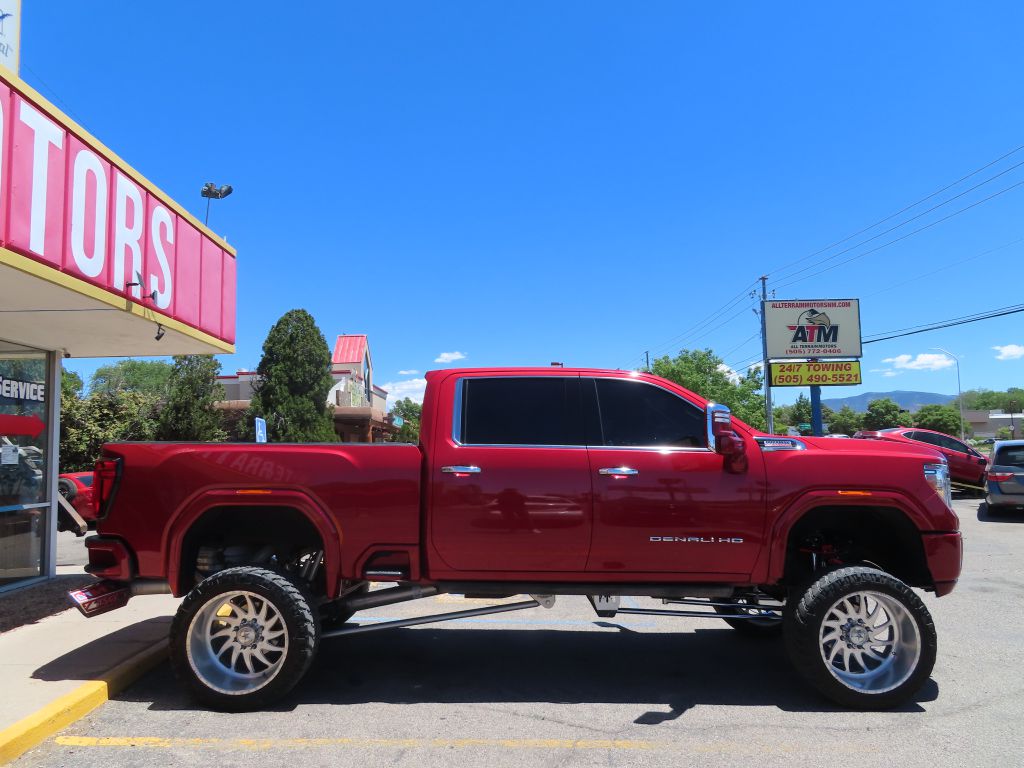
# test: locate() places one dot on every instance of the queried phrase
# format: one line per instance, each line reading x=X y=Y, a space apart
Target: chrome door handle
x=461 y=470
x=618 y=471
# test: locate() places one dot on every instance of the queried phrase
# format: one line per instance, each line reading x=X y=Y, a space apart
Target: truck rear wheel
x=861 y=637
x=243 y=638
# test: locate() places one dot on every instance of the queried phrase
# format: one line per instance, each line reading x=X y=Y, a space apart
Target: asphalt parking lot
x=563 y=687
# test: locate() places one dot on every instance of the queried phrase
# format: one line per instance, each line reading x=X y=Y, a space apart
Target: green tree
x=103 y=417
x=294 y=378
x=941 y=418
x=846 y=421
x=410 y=412
x=148 y=376
x=192 y=389
x=704 y=372
x=884 y=413
x=1004 y=433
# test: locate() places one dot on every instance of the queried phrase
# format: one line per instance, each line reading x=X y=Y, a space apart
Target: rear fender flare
x=783 y=525
x=195 y=507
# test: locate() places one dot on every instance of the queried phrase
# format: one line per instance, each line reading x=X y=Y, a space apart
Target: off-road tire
x=810 y=607
x=292 y=604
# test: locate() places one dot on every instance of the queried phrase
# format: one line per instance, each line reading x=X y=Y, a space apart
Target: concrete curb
x=31 y=731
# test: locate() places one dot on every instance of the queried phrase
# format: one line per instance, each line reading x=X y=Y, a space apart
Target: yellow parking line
x=264 y=744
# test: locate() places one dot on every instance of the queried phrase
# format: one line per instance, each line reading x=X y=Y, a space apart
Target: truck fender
x=784 y=522
x=198 y=505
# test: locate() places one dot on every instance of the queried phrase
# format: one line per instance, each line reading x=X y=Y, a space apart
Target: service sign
x=70 y=204
x=812 y=328
x=832 y=373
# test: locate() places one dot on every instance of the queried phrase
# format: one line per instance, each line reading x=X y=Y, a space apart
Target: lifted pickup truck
x=539 y=482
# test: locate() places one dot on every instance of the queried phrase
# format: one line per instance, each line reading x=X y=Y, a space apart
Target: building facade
x=359 y=406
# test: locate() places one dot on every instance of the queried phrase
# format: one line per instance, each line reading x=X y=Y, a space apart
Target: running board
x=540 y=600
x=607 y=606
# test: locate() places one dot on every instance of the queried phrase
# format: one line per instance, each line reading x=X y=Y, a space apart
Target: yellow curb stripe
x=265 y=744
x=31 y=731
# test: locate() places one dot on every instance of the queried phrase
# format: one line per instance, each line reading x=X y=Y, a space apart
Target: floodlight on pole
x=959 y=392
x=212 y=192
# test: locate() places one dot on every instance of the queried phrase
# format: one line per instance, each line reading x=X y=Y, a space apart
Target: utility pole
x=648 y=356
x=766 y=370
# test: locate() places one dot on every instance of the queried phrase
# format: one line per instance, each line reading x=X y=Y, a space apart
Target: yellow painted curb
x=28 y=732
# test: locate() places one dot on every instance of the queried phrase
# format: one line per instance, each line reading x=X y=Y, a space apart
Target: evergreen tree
x=293 y=380
x=192 y=389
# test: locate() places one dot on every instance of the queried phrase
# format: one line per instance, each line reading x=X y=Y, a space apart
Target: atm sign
x=825 y=374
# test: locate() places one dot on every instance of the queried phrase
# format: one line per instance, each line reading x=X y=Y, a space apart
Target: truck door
x=510 y=480
x=662 y=500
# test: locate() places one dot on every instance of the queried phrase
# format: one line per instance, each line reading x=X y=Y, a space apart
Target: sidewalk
x=62 y=667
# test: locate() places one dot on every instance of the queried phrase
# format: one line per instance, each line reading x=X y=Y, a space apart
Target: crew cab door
x=663 y=501
x=510 y=482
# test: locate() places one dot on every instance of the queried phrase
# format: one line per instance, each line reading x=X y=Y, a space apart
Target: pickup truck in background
x=539 y=482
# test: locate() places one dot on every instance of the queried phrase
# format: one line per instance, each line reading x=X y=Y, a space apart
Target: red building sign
x=69 y=203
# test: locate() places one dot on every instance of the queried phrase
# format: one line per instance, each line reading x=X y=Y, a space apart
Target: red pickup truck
x=538 y=482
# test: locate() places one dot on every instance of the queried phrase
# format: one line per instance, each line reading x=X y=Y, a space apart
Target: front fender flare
x=782 y=526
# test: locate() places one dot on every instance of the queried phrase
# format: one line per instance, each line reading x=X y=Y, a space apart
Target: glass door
x=25 y=493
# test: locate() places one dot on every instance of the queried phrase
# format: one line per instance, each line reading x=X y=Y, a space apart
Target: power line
x=902 y=237
x=937 y=192
x=706 y=321
x=964 y=320
x=947 y=266
x=901 y=224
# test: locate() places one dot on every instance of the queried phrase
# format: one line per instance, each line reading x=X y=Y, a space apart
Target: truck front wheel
x=861 y=637
x=243 y=638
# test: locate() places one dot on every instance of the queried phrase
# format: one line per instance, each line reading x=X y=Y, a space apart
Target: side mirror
x=724 y=441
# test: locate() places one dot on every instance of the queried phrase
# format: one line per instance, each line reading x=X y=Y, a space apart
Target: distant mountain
x=908 y=401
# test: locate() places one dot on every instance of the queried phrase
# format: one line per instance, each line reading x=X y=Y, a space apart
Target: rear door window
x=520 y=410
x=637 y=414
x=1010 y=456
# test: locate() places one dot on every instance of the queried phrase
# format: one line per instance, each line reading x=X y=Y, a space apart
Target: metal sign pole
x=766 y=369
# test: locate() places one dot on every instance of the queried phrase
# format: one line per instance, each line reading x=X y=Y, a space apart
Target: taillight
x=1000 y=477
x=104 y=479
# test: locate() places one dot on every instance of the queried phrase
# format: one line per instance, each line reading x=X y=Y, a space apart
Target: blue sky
x=577 y=181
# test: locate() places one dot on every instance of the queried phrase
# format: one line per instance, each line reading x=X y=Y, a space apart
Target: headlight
x=937 y=476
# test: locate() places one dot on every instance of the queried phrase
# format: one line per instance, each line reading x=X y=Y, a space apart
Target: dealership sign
x=72 y=205
x=830 y=373
x=812 y=328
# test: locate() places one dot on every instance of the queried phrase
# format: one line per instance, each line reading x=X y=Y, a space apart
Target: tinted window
x=86 y=480
x=521 y=411
x=924 y=437
x=1010 y=456
x=953 y=445
x=633 y=413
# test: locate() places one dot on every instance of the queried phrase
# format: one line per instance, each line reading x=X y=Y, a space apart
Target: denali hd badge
x=700 y=539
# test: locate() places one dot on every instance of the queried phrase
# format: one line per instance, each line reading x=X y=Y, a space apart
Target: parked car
x=1004 y=487
x=966 y=465
x=76 y=487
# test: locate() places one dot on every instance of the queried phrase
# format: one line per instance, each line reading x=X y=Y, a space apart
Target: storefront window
x=24 y=435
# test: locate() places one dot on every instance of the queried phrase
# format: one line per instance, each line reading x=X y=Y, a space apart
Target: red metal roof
x=349 y=349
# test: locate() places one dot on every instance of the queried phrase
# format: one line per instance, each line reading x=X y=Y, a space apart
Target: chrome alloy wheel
x=870 y=642
x=237 y=642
